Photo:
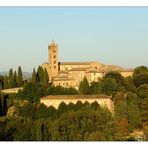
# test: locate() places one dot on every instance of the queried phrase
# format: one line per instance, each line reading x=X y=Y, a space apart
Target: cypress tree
x=15 y=79
x=80 y=87
x=6 y=85
x=46 y=79
x=40 y=73
x=20 y=77
x=33 y=79
x=11 y=79
x=85 y=86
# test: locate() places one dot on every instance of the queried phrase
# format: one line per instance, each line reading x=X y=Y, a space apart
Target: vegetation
x=23 y=118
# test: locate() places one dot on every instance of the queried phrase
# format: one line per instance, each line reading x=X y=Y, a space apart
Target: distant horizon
x=110 y=35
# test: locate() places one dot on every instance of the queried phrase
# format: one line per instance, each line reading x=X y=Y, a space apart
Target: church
x=70 y=74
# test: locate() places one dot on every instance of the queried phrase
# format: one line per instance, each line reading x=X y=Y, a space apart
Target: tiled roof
x=79 y=69
x=75 y=63
x=75 y=97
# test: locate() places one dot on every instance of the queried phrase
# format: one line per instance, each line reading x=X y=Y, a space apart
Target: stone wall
x=127 y=73
x=11 y=90
x=55 y=100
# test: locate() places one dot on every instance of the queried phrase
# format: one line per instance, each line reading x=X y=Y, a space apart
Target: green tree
x=143 y=91
x=84 y=86
x=11 y=79
x=133 y=113
x=140 y=79
x=20 y=77
x=129 y=84
x=41 y=112
x=33 y=79
x=15 y=79
x=6 y=85
x=62 y=108
x=143 y=109
x=96 y=87
x=116 y=76
x=109 y=86
x=40 y=74
x=120 y=106
x=96 y=136
x=140 y=70
x=46 y=77
x=32 y=92
x=1 y=82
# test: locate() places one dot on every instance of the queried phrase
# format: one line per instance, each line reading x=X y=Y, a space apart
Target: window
x=95 y=67
x=54 y=56
x=54 y=62
x=54 y=67
x=54 y=51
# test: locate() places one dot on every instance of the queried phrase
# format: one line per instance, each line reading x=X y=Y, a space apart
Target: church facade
x=70 y=74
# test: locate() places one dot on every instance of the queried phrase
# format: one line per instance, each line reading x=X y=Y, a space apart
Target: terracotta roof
x=75 y=63
x=63 y=79
x=126 y=70
x=60 y=97
x=79 y=69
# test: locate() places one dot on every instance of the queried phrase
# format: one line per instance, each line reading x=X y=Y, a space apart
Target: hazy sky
x=107 y=34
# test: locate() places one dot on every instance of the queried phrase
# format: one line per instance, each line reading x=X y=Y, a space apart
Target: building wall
x=77 y=76
x=69 y=67
x=46 y=66
x=56 y=100
x=127 y=73
x=64 y=83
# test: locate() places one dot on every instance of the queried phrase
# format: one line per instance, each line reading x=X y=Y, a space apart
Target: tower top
x=53 y=44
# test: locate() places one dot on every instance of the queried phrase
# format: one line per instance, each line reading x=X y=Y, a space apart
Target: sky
x=110 y=35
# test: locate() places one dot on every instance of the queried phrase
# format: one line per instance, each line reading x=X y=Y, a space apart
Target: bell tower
x=53 y=59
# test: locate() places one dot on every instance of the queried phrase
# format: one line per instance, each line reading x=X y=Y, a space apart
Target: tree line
x=12 y=80
x=76 y=122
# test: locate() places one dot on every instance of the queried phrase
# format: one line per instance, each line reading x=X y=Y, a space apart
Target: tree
x=120 y=106
x=143 y=91
x=96 y=87
x=46 y=78
x=143 y=109
x=32 y=92
x=33 y=79
x=140 y=70
x=133 y=113
x=6 y=85
x=84 y=86
x=96 y=136
x=41 y=112
x=129 y=84
x=15 y=79
x=11 y=79
x=20 y=77
x=95 y=105
x=27 y=111
x=109 y=86
x=40 y=74
x=62 y=108
x=1 y=82
x=140 y=79
x=122 y=126
x=116 y=76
